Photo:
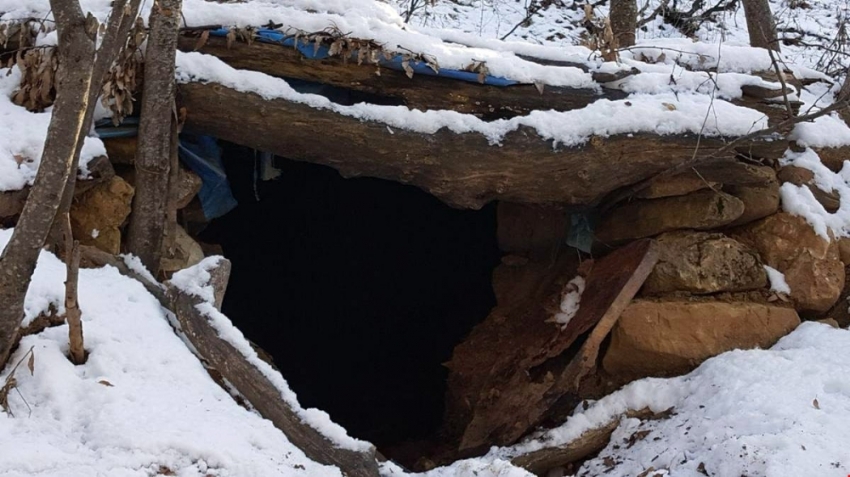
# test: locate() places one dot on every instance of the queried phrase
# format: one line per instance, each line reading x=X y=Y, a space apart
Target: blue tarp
x=419 y=67
x=201 y=154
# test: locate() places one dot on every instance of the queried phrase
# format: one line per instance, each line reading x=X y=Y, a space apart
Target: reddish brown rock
x=799 y=176
x=759 y=201
x=673 y=337
x=98 y=214
x=12 y=203
x=811 y=264
x=702 y=262
x=701 y=210
x=681 y=184
x=530 y=229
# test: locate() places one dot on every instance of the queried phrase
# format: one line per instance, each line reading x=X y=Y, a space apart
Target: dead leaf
x=669 y=106
x=816 y=404
x=31 y=364
x=405 y=65
x=540 y=86
x=202 y=40
x=106 y=383
x=231 y=37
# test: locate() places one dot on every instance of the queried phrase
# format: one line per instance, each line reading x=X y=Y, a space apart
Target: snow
x=687 y=113
x=22 y=136
x=140 y=404
x=799 y=200
x=195 y=281
x=570 y=301
x=777 y=280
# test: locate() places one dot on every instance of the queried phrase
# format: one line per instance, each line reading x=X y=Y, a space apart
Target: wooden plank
x=256 y=388
x=420 y=92
x=463 y=170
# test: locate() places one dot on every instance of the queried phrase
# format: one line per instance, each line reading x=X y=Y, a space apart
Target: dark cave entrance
x=358 y=288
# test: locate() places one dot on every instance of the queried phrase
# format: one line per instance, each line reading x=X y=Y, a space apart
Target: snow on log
x=420 y=92
x=464 y=170
x=195 y=294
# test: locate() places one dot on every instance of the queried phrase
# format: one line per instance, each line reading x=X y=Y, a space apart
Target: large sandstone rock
x=98 y=214
x=702 y=262
x=811 y=264
x=759 y=201
x=182 y=251
x=12 y=203
x=681 y=184
x=701 y=210
x=799 y=176
x=672 y=337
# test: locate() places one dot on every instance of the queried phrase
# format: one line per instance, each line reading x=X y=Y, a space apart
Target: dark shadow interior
x=359 y=289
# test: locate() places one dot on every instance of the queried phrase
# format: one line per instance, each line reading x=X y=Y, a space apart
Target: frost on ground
x=140 y=405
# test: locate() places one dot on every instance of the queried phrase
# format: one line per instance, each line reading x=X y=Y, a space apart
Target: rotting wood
x=520 y=397
x=463 y=170
x=256 y=388
x=420 y=92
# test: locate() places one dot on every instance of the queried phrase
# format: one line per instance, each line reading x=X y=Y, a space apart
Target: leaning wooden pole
x=153 y=157
x=254 y=385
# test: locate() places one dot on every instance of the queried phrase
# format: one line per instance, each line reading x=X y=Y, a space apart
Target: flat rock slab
x=669 y=338
x=703 y=263
x=518 y=392
x=811 y=264
x=702 y=210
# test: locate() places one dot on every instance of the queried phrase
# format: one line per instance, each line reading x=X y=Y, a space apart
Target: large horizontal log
x=463 y=170
x=420 y=92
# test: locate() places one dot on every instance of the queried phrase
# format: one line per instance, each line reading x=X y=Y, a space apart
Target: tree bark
x=761 y=24
x=624 y=21
x=844 y=95
x=153 y=157
x=77 y=82
x=73 y=316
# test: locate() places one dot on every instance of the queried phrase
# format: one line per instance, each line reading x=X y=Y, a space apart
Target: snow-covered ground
x=143 y=405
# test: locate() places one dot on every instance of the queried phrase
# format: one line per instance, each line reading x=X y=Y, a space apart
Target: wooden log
x=420 y=92
x=589 y=443
x=255 y=387
x=463 y=170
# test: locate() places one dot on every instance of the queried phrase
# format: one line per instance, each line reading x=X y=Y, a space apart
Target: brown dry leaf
x=231 y=37
x=19 y=159
x=540 y=86
x=405 y=65
x=106 y=383
x=816 y=404
x=669 y=106
x=202 y=40
x=31 y=364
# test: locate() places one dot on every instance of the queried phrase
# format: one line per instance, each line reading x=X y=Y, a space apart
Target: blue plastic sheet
x=419 y=67
x=203 y=156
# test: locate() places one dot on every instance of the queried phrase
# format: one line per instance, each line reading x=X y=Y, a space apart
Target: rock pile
x=726 y=256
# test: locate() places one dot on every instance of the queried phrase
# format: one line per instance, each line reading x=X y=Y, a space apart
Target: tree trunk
x=624 y=21
x=844 y=95
x=153 y=157
x=77 y=82
x=761 y=24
